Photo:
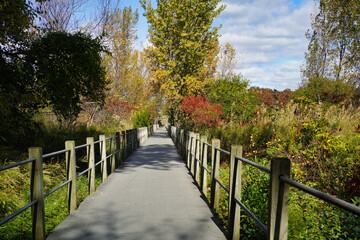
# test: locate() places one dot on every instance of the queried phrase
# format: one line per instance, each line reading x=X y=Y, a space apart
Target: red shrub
x=201 y=113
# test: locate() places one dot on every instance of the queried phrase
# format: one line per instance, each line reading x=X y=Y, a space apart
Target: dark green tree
x=17 y=101
x=67 y=69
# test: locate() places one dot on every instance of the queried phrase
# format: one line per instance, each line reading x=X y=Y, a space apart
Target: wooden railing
x=193 y=148
x=121 y=146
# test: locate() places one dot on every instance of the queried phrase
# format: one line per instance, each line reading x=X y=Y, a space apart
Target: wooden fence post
x=127 y=141
x=112 y=152
x=124 y=145
x=235 y=192
x=181 y=147
x=136 y=139
x=204 y=164
x=71 y=175
x=188 y=157
x=90 y=150
x=193 y=151
x=132 y=141
x=278 y=199
x=118 y=148
x=197 y=156
x=37 y=193
x=103 y=157
x=215 y=166
x=187 y=144
x=178 y=140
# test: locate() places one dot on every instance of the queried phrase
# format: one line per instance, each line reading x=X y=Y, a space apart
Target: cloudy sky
x=268 y=36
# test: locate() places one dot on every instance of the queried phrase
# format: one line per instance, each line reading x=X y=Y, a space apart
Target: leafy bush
x=255 y=196
x=142 y=118
x=199 y=113
x=236 y=101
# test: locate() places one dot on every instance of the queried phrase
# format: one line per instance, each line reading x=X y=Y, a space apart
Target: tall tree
x=334 y=44
x=16 y=99
x=182 y=38
x=70 y=15
x=227 y=60
x=126 y=66
x=121 y=36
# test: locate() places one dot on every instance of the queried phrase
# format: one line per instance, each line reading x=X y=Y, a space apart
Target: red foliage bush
x=201 y=113
x=119 y=107
x=269 y=97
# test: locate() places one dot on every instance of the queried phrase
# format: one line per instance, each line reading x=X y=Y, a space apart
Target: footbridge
x=159 y=189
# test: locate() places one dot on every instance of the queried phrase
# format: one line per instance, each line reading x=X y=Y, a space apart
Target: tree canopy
x=67 y=67
x=181 y=39
x=334 y=41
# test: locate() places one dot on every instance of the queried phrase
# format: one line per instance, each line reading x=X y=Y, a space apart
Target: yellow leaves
x=160 y=76
x=189 y=44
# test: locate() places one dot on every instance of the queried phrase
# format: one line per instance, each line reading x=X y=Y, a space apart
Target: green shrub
x=255 y=196
x=142 y=118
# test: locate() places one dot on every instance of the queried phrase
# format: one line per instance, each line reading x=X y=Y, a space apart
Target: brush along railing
x=194 y=150
x=125 y=142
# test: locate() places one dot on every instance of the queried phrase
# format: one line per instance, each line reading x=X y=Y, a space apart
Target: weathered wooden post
x=118 y=148
x=123 y=133
x=189 y=151
x=103 y=157
x=193 y=150
x=204 y=164
x=197 y=156
x=178 y=139
x=132 y=136
x=181 y=147
x=37 y=193
x=130 y=142
x=187 y=144
x=127 y=143
x=71 y=175
x=215 y=172
x=235 y=191
x=112 y=152
x=136 y=139
x=90 y=150
x=278 y=199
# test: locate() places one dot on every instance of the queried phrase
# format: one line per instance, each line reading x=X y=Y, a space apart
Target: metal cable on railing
x=3 y=168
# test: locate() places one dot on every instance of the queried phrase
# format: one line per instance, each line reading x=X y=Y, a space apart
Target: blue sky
x=268 y=36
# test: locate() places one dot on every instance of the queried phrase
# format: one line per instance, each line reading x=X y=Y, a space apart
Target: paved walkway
x=150 y=196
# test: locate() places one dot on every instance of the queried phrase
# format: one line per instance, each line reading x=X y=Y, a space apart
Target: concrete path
x=150 y=196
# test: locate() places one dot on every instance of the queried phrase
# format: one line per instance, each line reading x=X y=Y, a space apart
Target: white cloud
x=270 y=34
